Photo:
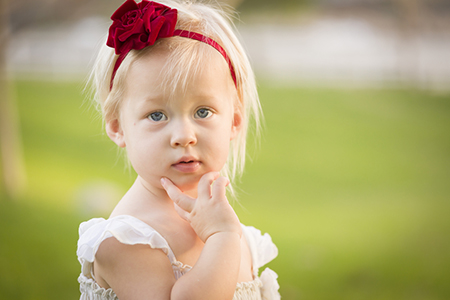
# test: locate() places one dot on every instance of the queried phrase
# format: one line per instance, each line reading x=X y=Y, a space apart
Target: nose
x=183 y=135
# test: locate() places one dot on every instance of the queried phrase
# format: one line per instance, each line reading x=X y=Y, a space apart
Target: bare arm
x=214 y=276
x=133 y=271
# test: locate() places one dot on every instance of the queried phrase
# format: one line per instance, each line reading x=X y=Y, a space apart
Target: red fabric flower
x=138 y=25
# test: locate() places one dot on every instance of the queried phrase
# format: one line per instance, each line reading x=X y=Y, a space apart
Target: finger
x=182 y=200
x=219 y=187
x=204 y=185
x=181 y=212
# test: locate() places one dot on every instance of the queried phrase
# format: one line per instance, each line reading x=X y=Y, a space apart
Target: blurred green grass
x=352 y=185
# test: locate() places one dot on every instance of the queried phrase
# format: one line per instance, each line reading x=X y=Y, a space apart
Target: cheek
x=142 y=151
x=219 y=144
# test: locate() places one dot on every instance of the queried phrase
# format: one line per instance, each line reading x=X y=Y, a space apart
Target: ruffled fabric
x=263 y=251
x=248 y=290
x=270 y=286
x=125 y=229
x=90 y=290
x=130 y=230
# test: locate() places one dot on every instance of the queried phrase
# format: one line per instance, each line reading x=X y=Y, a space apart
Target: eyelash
x=162 y=117
x=209 y=111
x=157 y=112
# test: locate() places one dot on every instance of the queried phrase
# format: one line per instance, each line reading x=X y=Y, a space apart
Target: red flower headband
x=138 y=25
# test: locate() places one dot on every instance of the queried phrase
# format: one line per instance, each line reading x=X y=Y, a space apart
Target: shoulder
x=111 y=251
x=125 y=229
x=122 y=250
x=125 y=269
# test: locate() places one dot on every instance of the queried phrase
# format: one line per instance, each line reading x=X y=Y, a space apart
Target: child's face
x=184 y=137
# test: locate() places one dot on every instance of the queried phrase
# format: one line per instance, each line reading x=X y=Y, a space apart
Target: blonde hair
x=184 y=59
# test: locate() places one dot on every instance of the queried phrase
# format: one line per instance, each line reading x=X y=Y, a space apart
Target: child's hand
x=210 y=213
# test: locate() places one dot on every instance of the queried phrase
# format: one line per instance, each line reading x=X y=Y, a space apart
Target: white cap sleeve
x=261 y=246
x=126 y=229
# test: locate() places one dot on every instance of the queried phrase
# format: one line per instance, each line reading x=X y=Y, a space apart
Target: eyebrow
x=142 y=103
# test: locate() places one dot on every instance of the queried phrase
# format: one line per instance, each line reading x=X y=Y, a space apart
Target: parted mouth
x=186 y=160
x=187 y=165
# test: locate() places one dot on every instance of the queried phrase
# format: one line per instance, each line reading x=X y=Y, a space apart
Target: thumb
x=182 y=200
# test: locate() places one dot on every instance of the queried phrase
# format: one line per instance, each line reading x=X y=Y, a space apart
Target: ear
x=115 y=132
x=236 y=126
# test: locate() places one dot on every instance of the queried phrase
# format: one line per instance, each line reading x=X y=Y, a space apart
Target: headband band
x=138 y=25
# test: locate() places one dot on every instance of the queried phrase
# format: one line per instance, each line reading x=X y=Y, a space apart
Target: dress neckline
x=182 y=267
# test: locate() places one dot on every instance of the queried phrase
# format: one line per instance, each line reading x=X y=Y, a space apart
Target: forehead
x=173 y=69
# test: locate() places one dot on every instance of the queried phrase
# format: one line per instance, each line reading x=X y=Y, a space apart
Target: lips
x=187 y=165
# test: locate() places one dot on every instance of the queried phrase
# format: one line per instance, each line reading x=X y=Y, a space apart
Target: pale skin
x=177 y=148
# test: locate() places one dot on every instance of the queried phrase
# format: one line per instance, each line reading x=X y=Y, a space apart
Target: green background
x=352 y=185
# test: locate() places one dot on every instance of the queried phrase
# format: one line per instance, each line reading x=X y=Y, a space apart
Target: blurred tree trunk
x=12 y=167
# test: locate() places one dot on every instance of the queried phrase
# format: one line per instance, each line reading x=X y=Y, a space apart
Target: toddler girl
x=176 y=91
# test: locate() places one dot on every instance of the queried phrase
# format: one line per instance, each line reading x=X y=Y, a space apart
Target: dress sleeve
x=126 y=229
x=263 y=251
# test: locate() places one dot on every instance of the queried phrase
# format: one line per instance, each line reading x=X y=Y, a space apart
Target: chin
x=188 y=185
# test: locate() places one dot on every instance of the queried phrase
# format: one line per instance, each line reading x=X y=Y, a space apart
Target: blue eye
x=157 y=116
x=203 y=113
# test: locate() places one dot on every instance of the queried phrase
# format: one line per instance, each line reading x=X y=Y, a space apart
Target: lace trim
x=247 y=285
x=181 y=267
x=90 y=286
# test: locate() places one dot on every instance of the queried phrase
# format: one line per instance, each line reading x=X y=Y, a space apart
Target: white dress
x=130 y=230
